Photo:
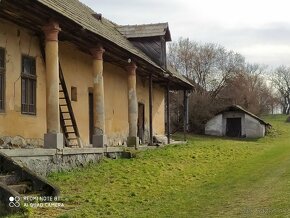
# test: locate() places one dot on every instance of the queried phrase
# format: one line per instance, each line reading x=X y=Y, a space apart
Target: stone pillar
x=99 y=137
x=53 y=138
x=133 y=140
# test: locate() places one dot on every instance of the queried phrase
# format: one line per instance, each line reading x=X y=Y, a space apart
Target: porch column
x=132 y=140
x=53 y=138
x=168 y=113
x=150 y=111
x=99 y=137
x=185 y=113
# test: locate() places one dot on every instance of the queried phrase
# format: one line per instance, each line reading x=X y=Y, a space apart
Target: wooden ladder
x=67 y=118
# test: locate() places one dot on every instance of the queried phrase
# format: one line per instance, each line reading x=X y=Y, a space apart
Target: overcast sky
x=258 y=29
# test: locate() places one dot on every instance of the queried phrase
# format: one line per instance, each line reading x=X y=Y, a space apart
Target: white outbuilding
x=235 y=121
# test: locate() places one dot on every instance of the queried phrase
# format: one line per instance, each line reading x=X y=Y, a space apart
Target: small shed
x=235 y=121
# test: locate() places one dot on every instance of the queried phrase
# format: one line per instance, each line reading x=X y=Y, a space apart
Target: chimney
x=97 y=16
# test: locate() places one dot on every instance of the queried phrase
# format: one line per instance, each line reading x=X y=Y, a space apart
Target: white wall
x=215 y=126
x=251 y=128
x=254 y=129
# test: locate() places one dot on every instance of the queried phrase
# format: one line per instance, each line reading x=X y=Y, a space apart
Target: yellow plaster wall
x=158 y=110
x=116 y=104
x=78 y=72
x=158 y=105
x=18 y=41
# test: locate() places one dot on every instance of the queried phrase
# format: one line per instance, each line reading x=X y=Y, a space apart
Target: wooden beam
x=150 y=111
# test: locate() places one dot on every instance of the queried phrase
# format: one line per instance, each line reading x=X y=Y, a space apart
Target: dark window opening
x=74 y=93
x=28 y=85
x=2 y=80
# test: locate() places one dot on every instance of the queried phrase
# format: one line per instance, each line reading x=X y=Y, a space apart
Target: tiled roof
x=177 y=75
x=83 y=15
x=145 y=30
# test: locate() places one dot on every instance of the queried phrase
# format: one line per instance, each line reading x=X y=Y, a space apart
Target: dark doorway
x=91 y=116
x=141 y=121
x=234 y=127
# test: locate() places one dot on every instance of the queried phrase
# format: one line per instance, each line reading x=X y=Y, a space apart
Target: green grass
x=207 y=177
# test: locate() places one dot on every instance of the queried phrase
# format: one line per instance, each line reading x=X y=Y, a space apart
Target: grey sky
x=258 y=29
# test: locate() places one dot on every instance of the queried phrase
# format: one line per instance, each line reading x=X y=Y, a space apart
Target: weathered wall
x=45 y=165
x=158 y=111
x=116 y=104
x=215 y=126
x=254 y=129
x=18 y=41
x=251 y=128
x=77 y=70
x=46 y=161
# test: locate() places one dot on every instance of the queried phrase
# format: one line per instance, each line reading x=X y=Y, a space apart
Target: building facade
x=69 y=76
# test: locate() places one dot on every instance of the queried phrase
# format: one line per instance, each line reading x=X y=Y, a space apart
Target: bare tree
x=207 y=65
x=220 y=78
x=281 y=80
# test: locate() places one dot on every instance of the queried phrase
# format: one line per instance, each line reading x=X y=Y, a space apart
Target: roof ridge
x=145 y=24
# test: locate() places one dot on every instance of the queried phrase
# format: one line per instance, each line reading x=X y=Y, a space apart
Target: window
x=74 y=94
x=28 y=85
x=2 y=80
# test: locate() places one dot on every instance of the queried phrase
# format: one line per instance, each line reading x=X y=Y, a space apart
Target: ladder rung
x=60 y=90
x=63 y=105
x=67 y=119
x=65 y=112
x=68 y=125
x=70 y=132
x=61 y=98
x=72 y=138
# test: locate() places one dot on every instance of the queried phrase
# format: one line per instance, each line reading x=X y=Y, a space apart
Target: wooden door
x=234 y=127
x=141 y=121
x=91 y=116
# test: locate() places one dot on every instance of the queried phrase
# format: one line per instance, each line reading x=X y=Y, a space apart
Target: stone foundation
x=14 y=142
x=45 y=161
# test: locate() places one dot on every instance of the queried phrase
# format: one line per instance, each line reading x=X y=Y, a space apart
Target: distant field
x=207 y=177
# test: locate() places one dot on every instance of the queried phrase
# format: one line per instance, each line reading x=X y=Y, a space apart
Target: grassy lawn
x=207 y=177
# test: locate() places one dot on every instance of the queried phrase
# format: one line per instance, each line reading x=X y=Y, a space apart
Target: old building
x=70 y=76
x=235 y=121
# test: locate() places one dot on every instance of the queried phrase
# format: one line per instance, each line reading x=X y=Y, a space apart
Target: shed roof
x=241 y=109
x=146 y=30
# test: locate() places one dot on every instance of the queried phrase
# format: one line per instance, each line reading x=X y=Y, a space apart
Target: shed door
x=234 y=127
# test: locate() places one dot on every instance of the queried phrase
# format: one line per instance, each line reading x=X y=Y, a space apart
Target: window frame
x=29 y=80
x=3 y=74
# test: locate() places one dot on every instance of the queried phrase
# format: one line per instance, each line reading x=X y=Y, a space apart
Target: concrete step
x=21 y=188
x=9 y=179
